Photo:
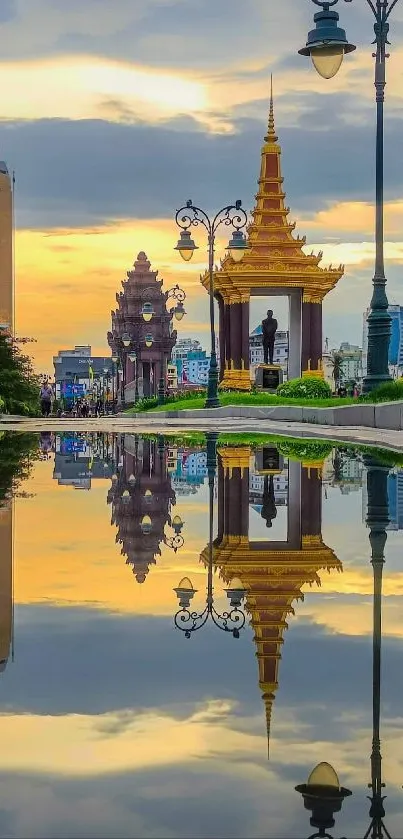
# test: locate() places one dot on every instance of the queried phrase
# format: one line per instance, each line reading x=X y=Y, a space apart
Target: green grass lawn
x=250 y=399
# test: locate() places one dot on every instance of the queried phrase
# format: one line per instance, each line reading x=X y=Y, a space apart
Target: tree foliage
x=17 y=453
x=19 y=386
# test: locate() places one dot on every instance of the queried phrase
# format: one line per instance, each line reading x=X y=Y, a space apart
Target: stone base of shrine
x=236 y=380
x=268 y=377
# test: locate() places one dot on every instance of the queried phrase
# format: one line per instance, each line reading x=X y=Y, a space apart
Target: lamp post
x=191 y=216
x=321 y=800
x=234 y=619
x=179 y=296
x=327 y=44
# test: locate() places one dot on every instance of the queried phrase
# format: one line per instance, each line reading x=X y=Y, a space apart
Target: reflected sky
x=113 y=723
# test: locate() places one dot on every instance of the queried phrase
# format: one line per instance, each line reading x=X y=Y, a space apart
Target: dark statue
x=269 y=509
x=269 y=329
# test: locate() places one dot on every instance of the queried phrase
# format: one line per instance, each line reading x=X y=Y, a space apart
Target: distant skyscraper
x=6 y=586
x=6 y=250
x=396 y=338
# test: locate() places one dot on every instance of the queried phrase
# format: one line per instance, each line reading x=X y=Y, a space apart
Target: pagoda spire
x=271 y=135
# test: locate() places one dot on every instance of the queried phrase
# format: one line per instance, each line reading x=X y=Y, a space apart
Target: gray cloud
x=91 y=171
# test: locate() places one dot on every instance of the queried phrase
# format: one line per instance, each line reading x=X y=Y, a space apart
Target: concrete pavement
x=154 y=423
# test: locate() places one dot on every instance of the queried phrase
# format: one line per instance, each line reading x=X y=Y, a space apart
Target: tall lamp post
x=233 y=620
x=178 y=295
x=191 y=216
x=327 y=44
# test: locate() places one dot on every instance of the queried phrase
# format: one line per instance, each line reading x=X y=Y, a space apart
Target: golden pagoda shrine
x=273 y=265
x=273 y=573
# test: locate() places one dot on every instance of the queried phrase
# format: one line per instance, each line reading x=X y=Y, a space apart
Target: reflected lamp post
x=192 y=216
x=175 y=541
x=232 y=620
x=321 y=800
x=326 y=45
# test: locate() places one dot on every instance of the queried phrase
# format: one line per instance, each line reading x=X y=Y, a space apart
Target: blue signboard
x=71 y=390
x=68 y=445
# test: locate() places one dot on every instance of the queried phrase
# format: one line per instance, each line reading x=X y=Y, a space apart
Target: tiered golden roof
x=275 y=257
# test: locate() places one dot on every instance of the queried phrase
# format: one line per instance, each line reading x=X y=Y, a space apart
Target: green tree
x=19 y=385
x=17 y=454
x=337 y=363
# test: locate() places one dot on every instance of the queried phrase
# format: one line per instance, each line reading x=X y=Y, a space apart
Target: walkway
x=225 y=425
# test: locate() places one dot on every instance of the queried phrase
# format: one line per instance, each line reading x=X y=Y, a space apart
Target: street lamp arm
x=184 y=616
x=235 y=617
x=192 y=217
x=231 y=216
x=177 y=293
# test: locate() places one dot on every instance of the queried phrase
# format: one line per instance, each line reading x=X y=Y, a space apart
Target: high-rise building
x=6 y=585
x=396 y=340
x=6 y=250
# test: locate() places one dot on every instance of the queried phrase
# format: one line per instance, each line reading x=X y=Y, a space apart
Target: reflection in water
x=272 y=572
x=142 y=500
x=323 y=795
x=268 y=545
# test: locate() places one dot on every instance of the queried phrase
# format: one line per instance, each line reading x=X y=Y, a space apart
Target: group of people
x=80 y=408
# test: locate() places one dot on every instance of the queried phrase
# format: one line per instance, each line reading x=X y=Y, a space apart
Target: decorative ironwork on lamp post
x=327 y=44
x=233 y=620
x=192 y=216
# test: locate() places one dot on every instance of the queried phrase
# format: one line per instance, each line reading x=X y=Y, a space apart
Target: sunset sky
x=114 y=114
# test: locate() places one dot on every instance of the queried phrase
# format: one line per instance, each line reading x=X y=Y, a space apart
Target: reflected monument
x=273 y=573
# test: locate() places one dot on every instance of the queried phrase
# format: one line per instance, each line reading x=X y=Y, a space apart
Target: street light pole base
x=212 y=400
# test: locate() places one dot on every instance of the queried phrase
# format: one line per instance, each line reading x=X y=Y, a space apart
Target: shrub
x=309 y=387
x=306 y=450
x=388 y=392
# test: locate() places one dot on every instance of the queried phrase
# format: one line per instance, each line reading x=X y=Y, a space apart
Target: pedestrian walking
x=46 y=396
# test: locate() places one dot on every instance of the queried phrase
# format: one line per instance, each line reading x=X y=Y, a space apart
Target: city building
x=256 y=349
x=77 y=372
x=78 y=461
x=198 y=365
x=172 y=376
x=6 y=581
x=6 y=250
x=396 y=340
x=395 y=497
x=351 y=367
x=141 y=337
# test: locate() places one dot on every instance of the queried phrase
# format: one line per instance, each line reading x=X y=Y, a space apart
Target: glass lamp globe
x=237 y=245
x=126 y=496
x=148 y=340
x=126 y=339
x=185 y=592
x=179 y=311
x=146 y=525
x=131 y=479
x=186 y=245
x=115 y=358
x=235 y=592
x=132 y=356
x=147 y=312
x=324 y=776
x=327 y=60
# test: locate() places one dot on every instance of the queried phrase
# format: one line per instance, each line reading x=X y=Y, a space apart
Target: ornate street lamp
x=231 y=621
x=191 y=216
x=176 y=293
x=324 y=797
x=176 y=541
x=327 y=45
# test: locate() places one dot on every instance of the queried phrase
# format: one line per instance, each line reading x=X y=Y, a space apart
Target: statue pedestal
x=268 y=377
x=268 y=461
